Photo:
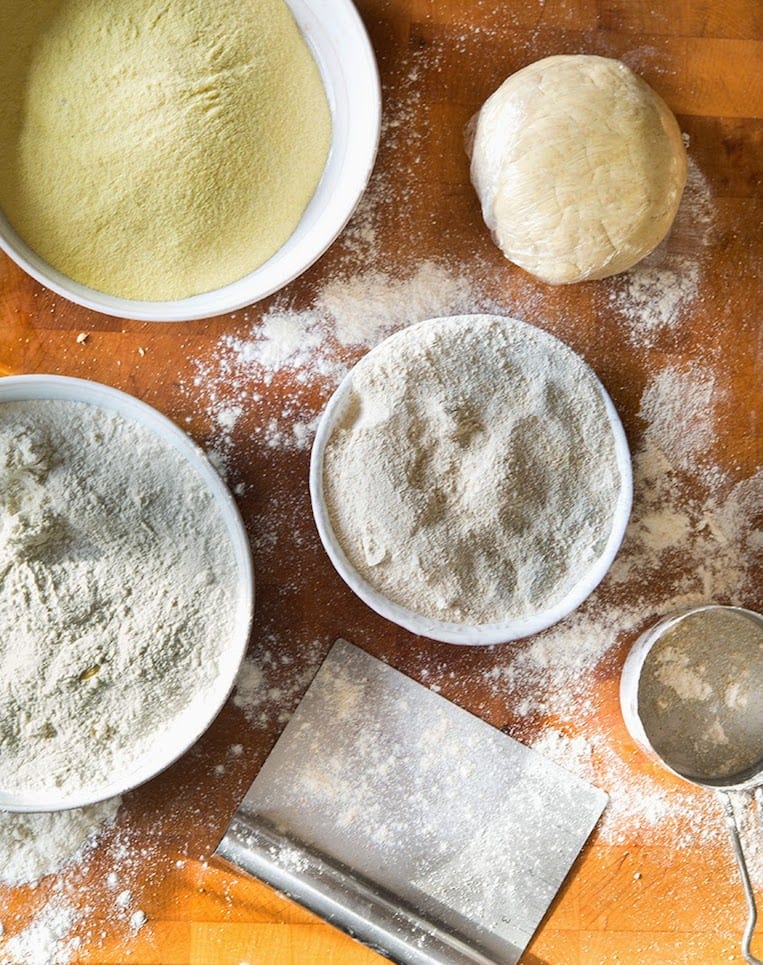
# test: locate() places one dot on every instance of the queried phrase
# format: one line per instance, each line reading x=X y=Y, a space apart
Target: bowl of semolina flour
x=183 y=160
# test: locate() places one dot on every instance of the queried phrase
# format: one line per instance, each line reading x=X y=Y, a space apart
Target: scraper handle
x=752 y=917
x=357 y=905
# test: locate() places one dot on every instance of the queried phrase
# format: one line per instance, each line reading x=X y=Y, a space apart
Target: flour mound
x=117 y=597
x=473 y=476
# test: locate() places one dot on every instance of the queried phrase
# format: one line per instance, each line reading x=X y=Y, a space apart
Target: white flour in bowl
x=117 y=595
x=473 y=475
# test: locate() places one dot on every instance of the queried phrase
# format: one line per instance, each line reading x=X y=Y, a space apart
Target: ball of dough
x=579 y=166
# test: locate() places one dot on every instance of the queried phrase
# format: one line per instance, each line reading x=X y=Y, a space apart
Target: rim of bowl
x=200 y=713
x=465 y=634
x=342 y=50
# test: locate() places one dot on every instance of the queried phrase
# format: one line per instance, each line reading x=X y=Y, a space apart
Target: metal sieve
x=690 y=694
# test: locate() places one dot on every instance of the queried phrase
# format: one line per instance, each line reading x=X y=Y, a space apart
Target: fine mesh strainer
x=690 y=694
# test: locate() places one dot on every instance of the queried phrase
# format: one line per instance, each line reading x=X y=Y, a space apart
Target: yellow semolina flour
x=157 y=149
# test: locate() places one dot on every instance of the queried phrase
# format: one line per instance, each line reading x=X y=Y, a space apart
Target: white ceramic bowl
x=463 y=633
x=196 y=718
x=339 y=43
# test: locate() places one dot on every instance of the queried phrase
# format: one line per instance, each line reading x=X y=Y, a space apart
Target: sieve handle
x=752 y=916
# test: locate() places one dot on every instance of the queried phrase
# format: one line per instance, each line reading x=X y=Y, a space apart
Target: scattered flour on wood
x=47 y=940
x=657 y=294
x=269 y=685
x=678 y=407
x=366 y=308
x=38 y=844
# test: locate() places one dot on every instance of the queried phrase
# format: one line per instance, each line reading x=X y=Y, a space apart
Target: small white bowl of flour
x=471 y=480
x=126 y=592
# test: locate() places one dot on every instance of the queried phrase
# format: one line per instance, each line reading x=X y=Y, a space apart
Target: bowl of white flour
x=471 y=480
x=126 y=592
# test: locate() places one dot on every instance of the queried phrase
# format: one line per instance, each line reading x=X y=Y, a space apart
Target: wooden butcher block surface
x=677 y=343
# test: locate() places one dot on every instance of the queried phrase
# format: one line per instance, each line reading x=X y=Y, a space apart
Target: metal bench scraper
x=408 y=822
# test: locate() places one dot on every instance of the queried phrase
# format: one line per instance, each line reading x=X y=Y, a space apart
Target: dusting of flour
x=657 y=294
x=38 y=844
x=47 y=940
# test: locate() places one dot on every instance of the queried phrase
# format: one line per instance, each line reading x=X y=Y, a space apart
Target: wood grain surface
x=660 y=885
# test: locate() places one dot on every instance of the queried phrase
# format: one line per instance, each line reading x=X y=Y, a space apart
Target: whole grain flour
x=117 y=595
x=497 y=482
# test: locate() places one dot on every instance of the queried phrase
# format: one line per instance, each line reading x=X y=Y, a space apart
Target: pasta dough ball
x=579 y=166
